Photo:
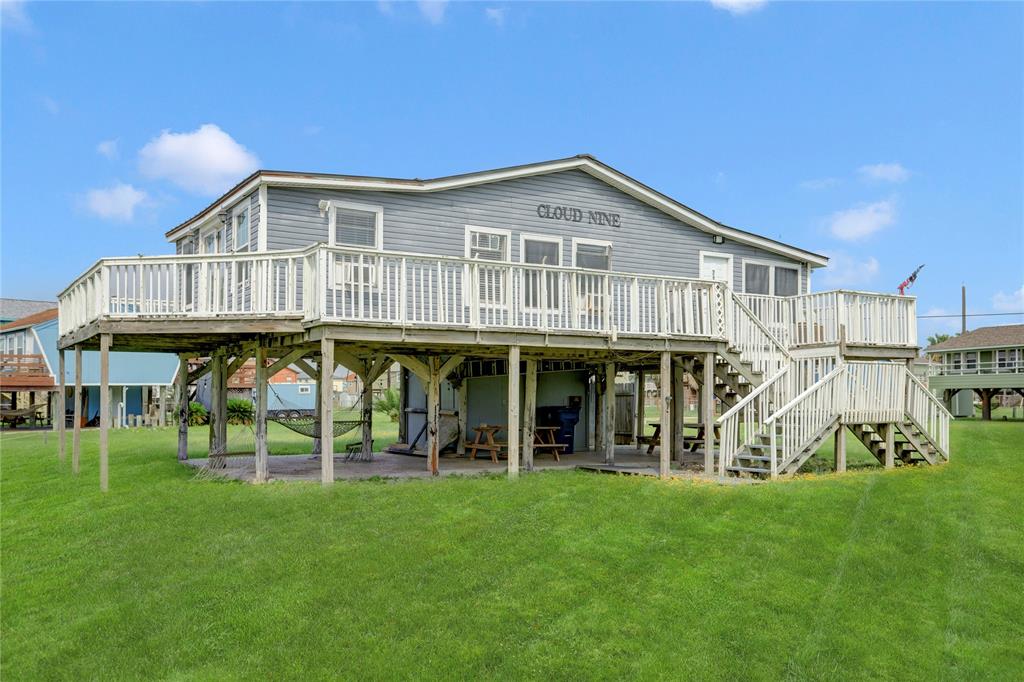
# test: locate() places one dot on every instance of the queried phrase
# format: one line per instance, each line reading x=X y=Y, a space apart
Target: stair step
x=755 y=458
x=748 y=470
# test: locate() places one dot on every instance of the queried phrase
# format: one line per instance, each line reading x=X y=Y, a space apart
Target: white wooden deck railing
x=353 y=285
x=804 y=417
x=755 y=341
x=969 y=368
x=740 y=426
x=928 y=412
x=823 y=318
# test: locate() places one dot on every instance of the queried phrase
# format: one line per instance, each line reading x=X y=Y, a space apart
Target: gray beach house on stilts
x=505 y=291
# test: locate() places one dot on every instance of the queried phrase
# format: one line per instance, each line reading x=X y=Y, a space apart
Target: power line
x=921 y=317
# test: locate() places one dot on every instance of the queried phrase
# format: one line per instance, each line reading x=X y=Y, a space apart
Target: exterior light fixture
x=718 y=239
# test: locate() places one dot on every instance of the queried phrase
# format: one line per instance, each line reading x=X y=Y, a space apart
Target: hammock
x=310 y=426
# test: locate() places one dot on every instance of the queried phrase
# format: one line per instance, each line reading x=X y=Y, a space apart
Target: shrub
x=388 y=404
x=240 y=412
x=197 y=414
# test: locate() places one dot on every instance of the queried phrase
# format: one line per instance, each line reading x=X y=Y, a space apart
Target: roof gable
x=30 y=320
x=585 y=163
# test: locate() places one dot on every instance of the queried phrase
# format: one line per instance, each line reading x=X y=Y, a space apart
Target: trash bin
x=565 y=418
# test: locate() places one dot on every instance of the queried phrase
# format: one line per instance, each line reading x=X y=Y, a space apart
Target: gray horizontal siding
x=647 y=241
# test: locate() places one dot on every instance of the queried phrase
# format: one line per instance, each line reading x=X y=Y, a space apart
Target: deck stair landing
x=768 y=435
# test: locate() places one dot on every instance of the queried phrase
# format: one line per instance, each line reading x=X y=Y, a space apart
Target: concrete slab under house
x=525 y=306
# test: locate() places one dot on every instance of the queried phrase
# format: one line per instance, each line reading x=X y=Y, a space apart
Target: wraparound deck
x=396 y=294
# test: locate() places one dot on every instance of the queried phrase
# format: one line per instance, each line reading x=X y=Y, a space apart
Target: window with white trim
x=770 y=279
x=591 y=254
x=240 y=228
x=489 y=244
x=540 y=250
x=357 y=225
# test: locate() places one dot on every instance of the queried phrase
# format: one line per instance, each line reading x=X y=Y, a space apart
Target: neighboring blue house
x=138 y=381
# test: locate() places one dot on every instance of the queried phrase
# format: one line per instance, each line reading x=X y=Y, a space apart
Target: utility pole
x=963 y=309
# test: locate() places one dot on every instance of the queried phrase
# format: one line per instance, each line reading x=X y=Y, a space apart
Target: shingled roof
x=17 y=308
x=30 y=320
x=984 y=337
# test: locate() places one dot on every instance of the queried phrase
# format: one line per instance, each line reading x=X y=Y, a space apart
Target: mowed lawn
x=909 y=574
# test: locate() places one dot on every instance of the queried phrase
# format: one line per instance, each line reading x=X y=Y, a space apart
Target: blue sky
x=885 y=135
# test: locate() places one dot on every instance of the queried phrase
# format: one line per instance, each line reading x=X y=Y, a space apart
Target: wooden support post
x=218 y=407
x=608 y=413
x=260 y=417
x=161 y=417
x=599 y=391
x=460 y=449
x=433 y=413
x=513 y=412
x=890 y=445
x=182 y=379
x=367 y=415
x=678 y=411
x=62 y=402
x=104 y=411
x=318 y=403
x=326 y=411
x=76 y=437
x=667 y=427
x=530 y=414
x=640 y=401
x=840 y=448
x=986 y=403
x=708 y=413
x=593 y=405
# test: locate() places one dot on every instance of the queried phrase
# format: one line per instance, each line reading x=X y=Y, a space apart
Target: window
x=954 y=361
x=240 y=229
x=540 y=250
x=591 y=254
x=304 y=390
x=770 y=279
x=970 y=360
x=356 y=225
x=210 y=242
x=489 y=244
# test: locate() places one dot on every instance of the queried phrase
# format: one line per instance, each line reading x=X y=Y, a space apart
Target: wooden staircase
x=735 y=377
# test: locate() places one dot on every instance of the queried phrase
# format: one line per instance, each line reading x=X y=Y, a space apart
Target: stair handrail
x=745 y=412
x=778 y=346
x=798 y=433
x=942 y=415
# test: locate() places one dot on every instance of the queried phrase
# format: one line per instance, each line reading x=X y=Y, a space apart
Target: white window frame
x=243 y=207
x=771 y=264
x=214 y=232
x=304 y=389
x=525 y=237
x=593 y=242
x=507 y=234
x=718 y=254
x=505 y=288
x=332 y=215
x=557 y=241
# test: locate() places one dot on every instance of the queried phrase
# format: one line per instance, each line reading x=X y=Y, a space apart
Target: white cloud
x=737 y=7
x=206 y=160
x=496 y=15
x=107 y=148
x=884 y=172
x=1012 y=302
x=117 y=202
x=819 y=183
x=433 y=10
x=844 y=270
x=862 y=221
x=14 y=16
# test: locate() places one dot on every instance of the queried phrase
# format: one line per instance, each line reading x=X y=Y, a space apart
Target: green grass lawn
x=909 y=574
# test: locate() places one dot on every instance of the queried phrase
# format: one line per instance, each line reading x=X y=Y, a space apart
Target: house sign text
x=576 y=215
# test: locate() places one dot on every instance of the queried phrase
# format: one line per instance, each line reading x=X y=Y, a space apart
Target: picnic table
x=544 y=440
x=690 y=442
x=484 y=440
